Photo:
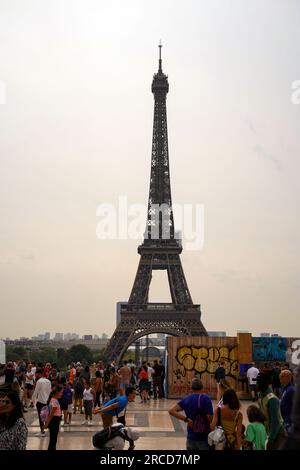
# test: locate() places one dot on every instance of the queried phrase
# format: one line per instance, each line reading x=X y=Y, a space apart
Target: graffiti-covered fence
x=191 y=356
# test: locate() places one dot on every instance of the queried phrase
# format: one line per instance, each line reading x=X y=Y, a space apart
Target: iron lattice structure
x=159 y=250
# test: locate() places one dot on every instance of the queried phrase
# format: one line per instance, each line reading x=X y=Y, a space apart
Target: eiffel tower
x=159 y=250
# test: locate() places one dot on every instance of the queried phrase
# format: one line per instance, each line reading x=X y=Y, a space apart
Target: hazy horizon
x=76 y=132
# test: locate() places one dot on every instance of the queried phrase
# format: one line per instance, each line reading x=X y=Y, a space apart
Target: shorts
x=28 y=386
x=253 y=387
x=124 y=385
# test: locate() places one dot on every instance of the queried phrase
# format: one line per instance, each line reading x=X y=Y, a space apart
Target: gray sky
x=76 y=131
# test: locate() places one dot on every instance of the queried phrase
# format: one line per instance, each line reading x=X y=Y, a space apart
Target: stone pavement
x=158 y=431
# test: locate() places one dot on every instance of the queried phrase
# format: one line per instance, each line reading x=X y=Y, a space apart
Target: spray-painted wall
x=200 y=356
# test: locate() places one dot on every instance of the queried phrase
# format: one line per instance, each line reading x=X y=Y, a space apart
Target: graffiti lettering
x=205 y=359
x=296 y=354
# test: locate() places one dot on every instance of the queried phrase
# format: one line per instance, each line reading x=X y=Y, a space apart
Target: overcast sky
x=76 y=130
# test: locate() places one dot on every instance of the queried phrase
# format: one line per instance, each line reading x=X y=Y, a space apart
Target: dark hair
x=255 y=415
x=263 y=381
x=230 y=398
x=16 y=413
x=87 y=383
x=145 y=368
x=55 y=389
x=98 y=373
x=124 y=362
x=129 y=390
x=86 y=369
x=112 y=370
x=277 y=364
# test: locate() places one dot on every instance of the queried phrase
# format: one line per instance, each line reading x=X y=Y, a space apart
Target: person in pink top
x=54 y=417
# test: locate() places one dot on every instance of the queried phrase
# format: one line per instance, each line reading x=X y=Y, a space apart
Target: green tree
x=81 y=353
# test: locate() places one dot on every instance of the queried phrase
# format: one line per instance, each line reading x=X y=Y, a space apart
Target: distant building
x=265 y=335
x=47 y=336
x=87 y=337
x=216 y=333
x=58 y=337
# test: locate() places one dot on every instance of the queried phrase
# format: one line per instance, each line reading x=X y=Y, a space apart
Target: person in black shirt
x=219 y=374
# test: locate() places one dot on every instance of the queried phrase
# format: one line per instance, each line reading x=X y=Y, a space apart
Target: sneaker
x=84 y=423
x=40 y=434
x=90 y=423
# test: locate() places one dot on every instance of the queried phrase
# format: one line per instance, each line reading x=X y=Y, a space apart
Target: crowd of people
x=107 y=389
x=58 y=395
x=273 y=423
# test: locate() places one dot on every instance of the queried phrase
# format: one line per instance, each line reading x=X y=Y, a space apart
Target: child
x=256 y=435
x=67 y=399
x=88 y=400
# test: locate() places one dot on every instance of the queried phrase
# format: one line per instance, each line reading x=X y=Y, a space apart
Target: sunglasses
x=5 y=402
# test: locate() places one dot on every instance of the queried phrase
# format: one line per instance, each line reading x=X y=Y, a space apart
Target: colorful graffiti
x=206 y=360
x=269 y=349
x=293 y=352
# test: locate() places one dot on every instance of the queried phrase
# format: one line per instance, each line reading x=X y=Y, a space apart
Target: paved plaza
x=158 y=430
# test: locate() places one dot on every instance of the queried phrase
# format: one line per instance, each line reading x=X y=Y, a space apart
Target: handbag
x=217 y=437
x=200 y=422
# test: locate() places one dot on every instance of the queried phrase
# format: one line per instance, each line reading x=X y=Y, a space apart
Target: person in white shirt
x=88 y=400
x=252 y=374
x=41 y=396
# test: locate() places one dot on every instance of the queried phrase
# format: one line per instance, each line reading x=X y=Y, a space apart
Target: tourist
x=98 y=387
x=93 y=369
x=41 y=396
x=150 y=378
x=230 y=418
x=276 y=385
x=256 y=436
x=157 y=380
x=66 y=403
x=78 y=393
x=286 y=404
x=125 y=377
x=29 y=385
x=293 y=439
x=270 y=406
x=53 y=421
x=219 y=374
x=119 y=435
x=144 y=384
x=252 y=374
x=13 y=429
x=115 y=406
x=113 y=385
x=223 y=385
x=88 y=400
x=85 y=373
x=162 y=378
x=9 y=373
x=196 y=405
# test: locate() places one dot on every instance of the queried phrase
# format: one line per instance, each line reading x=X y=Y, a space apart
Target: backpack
x=217 y=437
x=78 y=387
x=44 y=413
x=67 y=396
x=102 y=437
x=200 y=422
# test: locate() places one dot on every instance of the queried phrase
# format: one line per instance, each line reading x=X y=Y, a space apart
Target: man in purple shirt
x=195 y=404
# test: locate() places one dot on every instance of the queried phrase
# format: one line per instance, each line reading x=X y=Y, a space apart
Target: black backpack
x=102 y=437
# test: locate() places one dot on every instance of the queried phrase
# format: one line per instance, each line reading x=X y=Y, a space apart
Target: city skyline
x=78 y=115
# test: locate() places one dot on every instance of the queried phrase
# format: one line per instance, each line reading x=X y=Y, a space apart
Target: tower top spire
x=159 y=62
